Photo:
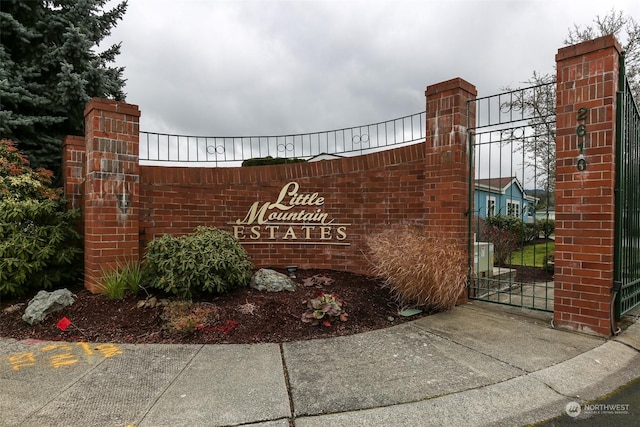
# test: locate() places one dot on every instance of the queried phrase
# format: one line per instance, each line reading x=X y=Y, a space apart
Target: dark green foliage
x=522 y=231
x=206 y=261
x=49 y=69
x=506 y=222
x=261 y=161
x=126 y=277
x=505 y=232
x=529 y=232
x=546 y=226
x=39 y=247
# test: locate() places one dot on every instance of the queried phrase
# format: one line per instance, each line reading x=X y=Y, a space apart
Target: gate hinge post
x=617 y=285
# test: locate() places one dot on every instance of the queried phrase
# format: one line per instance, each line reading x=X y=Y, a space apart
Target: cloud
x=281 y=67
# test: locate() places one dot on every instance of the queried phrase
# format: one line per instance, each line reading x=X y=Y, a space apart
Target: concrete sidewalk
x=479 y=364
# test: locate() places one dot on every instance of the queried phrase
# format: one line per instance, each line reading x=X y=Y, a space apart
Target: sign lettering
x=294 y=217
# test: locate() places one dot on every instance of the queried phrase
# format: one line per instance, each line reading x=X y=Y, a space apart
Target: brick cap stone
x=112 y=106
x=449 y=85
x=604 y=42
x=73 y=140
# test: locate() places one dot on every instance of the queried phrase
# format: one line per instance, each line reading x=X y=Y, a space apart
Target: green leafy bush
x=39 y=246
x=546 y=226
x=529 y=232
x=420 y=270
x=507 y=233
x=206 y=261
x=506 y=222
x=262 y=161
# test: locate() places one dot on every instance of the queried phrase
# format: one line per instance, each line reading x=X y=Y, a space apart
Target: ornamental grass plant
x=420 y=270
x=127 y=276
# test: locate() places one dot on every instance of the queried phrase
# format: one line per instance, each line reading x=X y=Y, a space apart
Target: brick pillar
x=447 y=168
x=587 y=81
x=73 y=163
x=111 y=187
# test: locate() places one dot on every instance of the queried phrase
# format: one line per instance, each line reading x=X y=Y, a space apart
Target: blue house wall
x=503 y=196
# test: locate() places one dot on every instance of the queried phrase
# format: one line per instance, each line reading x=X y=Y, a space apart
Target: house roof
x=500 y=185
x=324 y=156
x=497 y=184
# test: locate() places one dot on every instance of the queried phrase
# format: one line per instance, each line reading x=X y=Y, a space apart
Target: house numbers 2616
x=581 y=132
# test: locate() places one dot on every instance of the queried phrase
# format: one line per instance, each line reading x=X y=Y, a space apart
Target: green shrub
x=508 y=223
x=262 y=161
x=208 y=260
x=421 y=271
x=530 y=232
x=128 y=276
x=507 y=233
x=546 y=226
x=39 y=246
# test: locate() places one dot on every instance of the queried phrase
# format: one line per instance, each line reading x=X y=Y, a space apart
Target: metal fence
x=627 y=235
x=231 y=151
x=513 y=164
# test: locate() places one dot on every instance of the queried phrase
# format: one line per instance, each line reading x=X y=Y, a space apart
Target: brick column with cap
x=587 y=81
x=447 y=168
x=111 y=187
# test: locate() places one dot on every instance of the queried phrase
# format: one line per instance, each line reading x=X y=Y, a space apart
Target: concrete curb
x=479 y=364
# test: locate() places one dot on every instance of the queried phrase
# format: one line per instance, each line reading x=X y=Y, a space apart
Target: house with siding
x=503 y=196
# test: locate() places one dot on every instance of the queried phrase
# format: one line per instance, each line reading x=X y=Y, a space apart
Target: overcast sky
x=269 y=67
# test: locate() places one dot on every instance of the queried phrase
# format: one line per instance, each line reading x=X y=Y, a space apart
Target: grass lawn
x=533 y=255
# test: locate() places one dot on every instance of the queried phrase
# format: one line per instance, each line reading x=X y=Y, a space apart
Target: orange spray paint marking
x=86 y=347
x=59 y=360
x=108 y=350
x=22 y=360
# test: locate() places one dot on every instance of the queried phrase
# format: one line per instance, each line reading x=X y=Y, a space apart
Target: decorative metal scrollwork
x=215 y=149
x=363 y=138
x=285 y=147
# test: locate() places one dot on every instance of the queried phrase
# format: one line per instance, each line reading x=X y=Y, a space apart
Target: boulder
x=272 y=281
x=45 y=303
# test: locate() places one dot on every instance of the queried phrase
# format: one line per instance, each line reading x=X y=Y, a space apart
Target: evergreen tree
x=49 y=70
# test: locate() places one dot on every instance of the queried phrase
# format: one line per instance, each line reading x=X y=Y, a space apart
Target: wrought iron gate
x=627 y=234
x=511 y=198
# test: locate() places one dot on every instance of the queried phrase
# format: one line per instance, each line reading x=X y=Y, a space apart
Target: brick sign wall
x=312 y=215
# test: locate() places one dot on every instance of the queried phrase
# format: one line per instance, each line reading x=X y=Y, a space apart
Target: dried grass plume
x=421 y=271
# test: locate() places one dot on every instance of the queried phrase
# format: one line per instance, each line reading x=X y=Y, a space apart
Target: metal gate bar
x=627 y=225
x=513 y=165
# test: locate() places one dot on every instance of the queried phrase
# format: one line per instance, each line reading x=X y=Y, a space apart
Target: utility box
x=483 y=259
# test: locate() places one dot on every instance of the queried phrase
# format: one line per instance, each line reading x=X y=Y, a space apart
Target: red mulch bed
x=276 y=317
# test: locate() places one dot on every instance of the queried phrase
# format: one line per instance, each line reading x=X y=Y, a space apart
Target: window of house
x=531 y=209
x=513 y=208
x=491 y=206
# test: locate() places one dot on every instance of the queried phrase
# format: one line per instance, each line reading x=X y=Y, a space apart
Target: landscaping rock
x=272 y=281
x=45 y=303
